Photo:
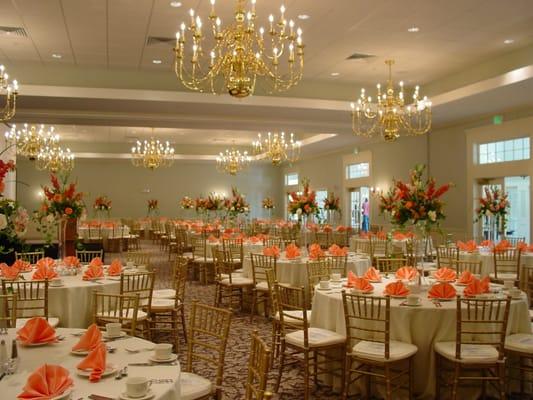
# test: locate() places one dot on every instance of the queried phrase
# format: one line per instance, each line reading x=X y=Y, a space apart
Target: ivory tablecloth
x=32 y=358
x=487 y=260
x=422 y=326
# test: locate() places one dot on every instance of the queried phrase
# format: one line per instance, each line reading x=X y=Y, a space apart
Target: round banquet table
x=247 y=247
x=422 y=326
x=72 y=302
x=32 y=358
x=294 y=272
x=397 y=244
x=107 y=231
x=487 y=260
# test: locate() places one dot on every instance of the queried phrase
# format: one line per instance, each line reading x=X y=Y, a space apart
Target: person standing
x=366 y=216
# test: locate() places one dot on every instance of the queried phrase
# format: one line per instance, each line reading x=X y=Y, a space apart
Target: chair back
x=341 y=239
x=223 y=264
x=337 y=264
x=447 y=256
x=31 y=297
x=290 y=299
x=379 y=247
x=481 y=321
x=8 y=310
x=260 y=264
x=30 y=256
x=141 y=283
x=363 y=246
x=199 y=248
x=507 y=262
x=258 y=367
x=181 y=270
x=389 y=265
x=375 y=228
x=95 y=232
x=316 y=271
x=323 y=239
x=118 y=308
x=85 y=256
x=367 y=319
x=461 y=266
x=207 y=339
x=272 y=241
x=515 y=240
x=235 y=248
x=139 y=259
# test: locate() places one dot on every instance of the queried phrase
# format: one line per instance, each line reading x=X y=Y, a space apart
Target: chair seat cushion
x=163 y=304
x=233 y=275
x=376 y=351
x=194 y=386
x=237 y=281
x=128 y=314
x=164 y=294
x=262 y=286
x=470 y=353
x=298 y=314
x=317 y=338
x=521 y=342
x=52 y=321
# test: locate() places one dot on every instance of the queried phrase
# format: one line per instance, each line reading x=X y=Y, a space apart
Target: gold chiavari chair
x=141 y=283
x=337 y=265
x=139 y=259
x=413 y=251
x=369 y=351
x=375 y=228
x=32 y=300
x=506 y=265
x=201 y=261
x=479 y=346
x=273 y=241
x=324 y=239
x=316 y=271
x=208 y=336
x=379 y=248
x=31 y=256
x=515 y=240
x=85 y=256
x=461 y=266
x=363 y=246
x=288 y=235
x=227 y=283
x=168 y=305
x=390 y=265
x=95 y=234
x=260 y=293
x=447 y=256
x=341 y=239
x=317 y=346
x=258 y=366
x=116 y=308
x=8 y=311
x=236 y=251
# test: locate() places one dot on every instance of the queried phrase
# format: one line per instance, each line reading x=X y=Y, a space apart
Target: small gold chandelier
x=10 y=90
x=54 y=159
x=152 y=154
x=31 y=140
x=277 y=148
x=390 y=115
x=233 y=161
x=240 y=53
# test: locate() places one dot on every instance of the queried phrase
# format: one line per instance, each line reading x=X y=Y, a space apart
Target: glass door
x=355 y=209
x=518 y=219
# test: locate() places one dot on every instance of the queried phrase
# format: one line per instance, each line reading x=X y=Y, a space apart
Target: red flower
x=68 y=211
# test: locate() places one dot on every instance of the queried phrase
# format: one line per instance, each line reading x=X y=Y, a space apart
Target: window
x=504 y=151
x=357 y=170
x=291 y=179
x=321 y=195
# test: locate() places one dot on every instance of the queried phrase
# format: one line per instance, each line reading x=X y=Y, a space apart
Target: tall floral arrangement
x=237 y=204
x=187 y=203
x=214 y=202
x=102 y=203
x=200 y=204
x=61 y=198
x=494 y=203
x=332 y=203
x=303 y=203
x=268 y=203
x=153 y=206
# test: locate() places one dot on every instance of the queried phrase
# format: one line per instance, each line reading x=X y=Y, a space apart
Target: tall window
x=321 y=195
x=291 y=179
x=360 y=170
x=507 y=150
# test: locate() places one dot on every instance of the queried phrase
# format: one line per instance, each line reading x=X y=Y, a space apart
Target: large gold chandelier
x=31 y=140
x=278 y=148
x=233 y=161
x=10 y=91
x=390 y=115
x=152 y=154
x=240 y=53
x=54 y=159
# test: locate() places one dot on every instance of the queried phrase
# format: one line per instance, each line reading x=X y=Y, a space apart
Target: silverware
x=149 y=364
x=98 y=397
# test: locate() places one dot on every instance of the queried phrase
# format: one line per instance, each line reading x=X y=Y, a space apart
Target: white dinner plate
x=110 y=369
x=172 y=358
x=38 y=344
x=328 y=288
x=150 y=394
x=64 y=396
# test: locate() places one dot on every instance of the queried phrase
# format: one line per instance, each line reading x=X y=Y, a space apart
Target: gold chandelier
x=390 y=115
x=240 y=53
x=31 y=140
x=277 y=148
x=152 y=154
x=54 y=159
x=10 y=91
x=233 y=161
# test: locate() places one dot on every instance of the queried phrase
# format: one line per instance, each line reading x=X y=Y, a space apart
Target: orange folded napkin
x=271 y=251
x=381 y=235
x=445 y=274
x=466 y=278
x=44 y=272
x=469 y=246
x=254 y=239
x=341 y=228
x=212 y=239
x=9 y=272
x=21 y=265
x=399 y=236
x=361 y=284
x=529 y=248
x=502 y=246
x=522 y=246
x=36 y=330
x=396 y=289
x=46 y=382
x=372 y=275
x=95 y=362
x=327 y=229
x=71 y=261
x=442 y=291
x=90 y=339
x=292 y=251
x=93 y=272
x=316 y=252
x=46 y=262
x=96 y=261
x=226 y=235
x=115 y=268
x=486 y=243
x=337 y=250
x=351 y=279
x=406 y=272
x=477 y=287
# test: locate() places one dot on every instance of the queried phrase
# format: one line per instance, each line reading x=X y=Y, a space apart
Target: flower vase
x=270 y=214
x=303 y=233
x=67 y=235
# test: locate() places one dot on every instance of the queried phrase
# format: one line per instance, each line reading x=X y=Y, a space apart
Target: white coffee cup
x=413 y=300
x=324 y=284
x=129 y=264
x=335 y=277
x=163 y=351
x=113 y=329
x=56 y=282
x=508 y=284
x=137 y=386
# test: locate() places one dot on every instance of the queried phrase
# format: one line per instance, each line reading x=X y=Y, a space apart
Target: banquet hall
x=252 y=199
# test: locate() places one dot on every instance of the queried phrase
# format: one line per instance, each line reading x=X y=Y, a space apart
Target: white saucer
x=39 y=344
x=110 y=369
x=150 y=394
x=319 y=288
x=113 y=277
x=336 y=281
x=54 y=286
x=172 y=358
x=106 y=336
x=417 y=304
x=64 y=396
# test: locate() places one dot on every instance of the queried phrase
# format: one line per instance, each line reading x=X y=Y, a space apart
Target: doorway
x=357 y=197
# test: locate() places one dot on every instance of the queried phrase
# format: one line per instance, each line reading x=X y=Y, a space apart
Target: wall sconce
x=375 y=191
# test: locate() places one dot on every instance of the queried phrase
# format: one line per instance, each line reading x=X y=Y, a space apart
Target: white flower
x=489 y=213
x=299 y=211
x=3 y=221
x=50 y=218
x=432 y=216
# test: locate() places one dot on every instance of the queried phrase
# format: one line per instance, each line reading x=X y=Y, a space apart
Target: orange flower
x=409 y=204
x=68 y=211
x=2 y=186
x=57 y=198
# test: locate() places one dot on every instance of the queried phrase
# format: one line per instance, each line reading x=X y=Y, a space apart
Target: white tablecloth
x=294 y=272
x=396 y=244
x=247 y=247
x=422 y=326
x=487 y=260
x=106 y=231
x=32 y=358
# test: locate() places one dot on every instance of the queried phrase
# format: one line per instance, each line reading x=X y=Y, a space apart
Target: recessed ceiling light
x=413 y=29
x=508 y=41
x=156 y=61
x=57 y=55
x=335 y=73
x=175 y=4
x=303 y=16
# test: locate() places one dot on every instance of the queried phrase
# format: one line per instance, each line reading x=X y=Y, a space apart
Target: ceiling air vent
x=13 y=30
x=359 y=56
x=154 y=40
